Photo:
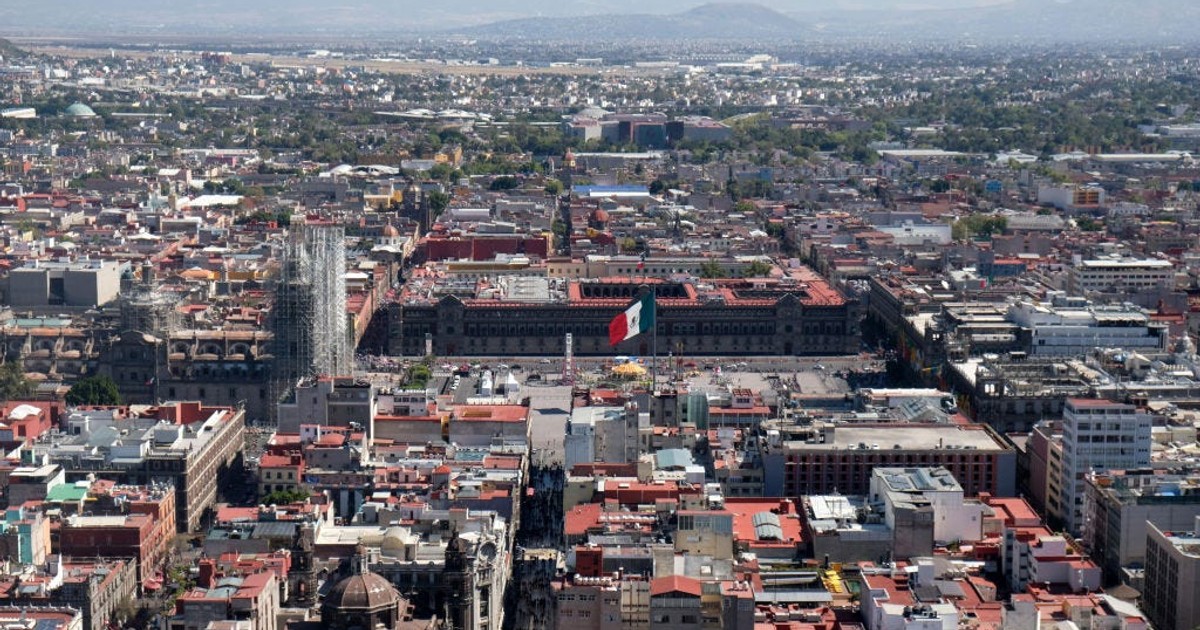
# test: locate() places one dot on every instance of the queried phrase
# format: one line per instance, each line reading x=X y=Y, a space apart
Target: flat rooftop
x=97 y=521
x=831 y=507
x=1126 y=263
x=918 y=479
x=508 y=291
x=907 y=437
x=1186 y=542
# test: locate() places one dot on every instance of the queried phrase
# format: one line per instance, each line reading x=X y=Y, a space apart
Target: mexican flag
x=636 y=319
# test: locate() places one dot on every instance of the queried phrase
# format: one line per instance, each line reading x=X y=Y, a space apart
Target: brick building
x=843 y=457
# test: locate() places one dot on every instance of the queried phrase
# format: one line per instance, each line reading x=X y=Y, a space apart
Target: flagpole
x=654 y=342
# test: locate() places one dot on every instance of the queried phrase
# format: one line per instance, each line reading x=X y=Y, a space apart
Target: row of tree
x=93 y=390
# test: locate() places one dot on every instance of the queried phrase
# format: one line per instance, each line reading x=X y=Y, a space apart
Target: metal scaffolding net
x=309 y=321
x=147 y=309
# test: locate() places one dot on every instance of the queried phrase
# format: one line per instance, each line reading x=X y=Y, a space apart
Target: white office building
x=909 y=489
x=1120 y=274
x=914 y=234
x=1073 y=326
x=1098 y=435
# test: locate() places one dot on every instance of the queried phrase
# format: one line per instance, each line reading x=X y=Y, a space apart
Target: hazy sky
x=659 y=6
x=1094 y=19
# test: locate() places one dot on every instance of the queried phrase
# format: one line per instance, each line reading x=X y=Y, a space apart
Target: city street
x=549 y=408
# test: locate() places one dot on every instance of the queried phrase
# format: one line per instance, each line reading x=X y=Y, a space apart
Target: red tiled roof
x=332 y=439
x=744 y=510
x=675 y=584
x=231 y=514
x=581 y=518
x=490 y=413
x=279 y=461
x=1095 y=402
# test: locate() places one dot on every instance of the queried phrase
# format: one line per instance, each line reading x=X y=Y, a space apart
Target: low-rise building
x=188 y=445
x=927 y=495
x=25 y=535
x=99 y=588
x=253 y=598
x=86 y=283
x=795 y=315
x=846 y=529
x=29 y=483
x=1072 y=327
x=42 y=618
x=1120 y=274
x=135 y=536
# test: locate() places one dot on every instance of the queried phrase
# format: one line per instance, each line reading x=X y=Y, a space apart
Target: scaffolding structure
x=311 y=334
x=149 y=311
x=146 y=309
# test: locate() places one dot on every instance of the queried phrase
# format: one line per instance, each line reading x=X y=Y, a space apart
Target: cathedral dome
x=79 y=110
x=363 y=600
x=362 y=592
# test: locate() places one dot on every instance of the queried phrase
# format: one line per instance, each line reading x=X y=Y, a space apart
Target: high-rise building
x=1172 y=578
x=1120 y=505
x=1098 y=435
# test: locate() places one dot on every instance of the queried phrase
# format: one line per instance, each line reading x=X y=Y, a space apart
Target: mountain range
x=1166 y=21
x=1056 y=20
x=709 y=21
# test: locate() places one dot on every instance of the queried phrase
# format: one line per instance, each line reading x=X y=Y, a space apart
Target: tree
x=758 y=269
x=13 y=383
x=441 y=172
x=978 y=226
x=228 y=187
x=284 y=497
x=554 y=187
x=504 y=183
x=438 y=202
x=419 y=375
x=94 y=390
x=281 y=217
x=558 y=228
x=711 y=269
x=744 y=207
